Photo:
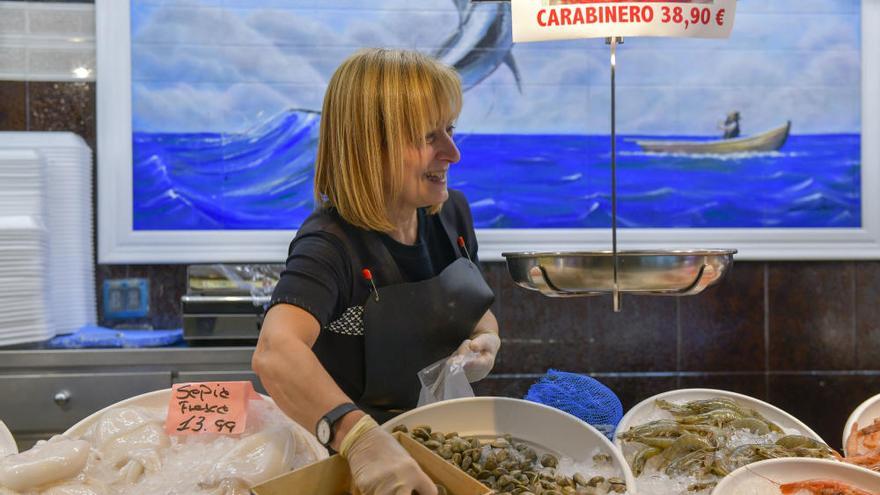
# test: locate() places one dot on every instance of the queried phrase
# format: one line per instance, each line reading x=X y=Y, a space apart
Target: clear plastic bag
x=446 y=379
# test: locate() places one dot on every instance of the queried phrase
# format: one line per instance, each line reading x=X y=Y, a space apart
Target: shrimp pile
x=863 y=446
x=821 y=487
x=706 y=440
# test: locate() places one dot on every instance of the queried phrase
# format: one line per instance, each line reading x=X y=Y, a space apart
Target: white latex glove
x=485 y=346
x=380 y=466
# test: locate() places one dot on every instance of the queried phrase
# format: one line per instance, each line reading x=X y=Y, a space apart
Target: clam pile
x=512 y=468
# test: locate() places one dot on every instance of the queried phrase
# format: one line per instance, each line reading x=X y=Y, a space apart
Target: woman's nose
x=448 y=150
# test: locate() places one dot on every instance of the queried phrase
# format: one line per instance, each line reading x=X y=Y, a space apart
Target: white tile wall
x=41 y=41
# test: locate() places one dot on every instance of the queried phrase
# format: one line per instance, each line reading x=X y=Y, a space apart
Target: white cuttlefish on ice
x=47 y=462
x=129 y=438
x=254 y=459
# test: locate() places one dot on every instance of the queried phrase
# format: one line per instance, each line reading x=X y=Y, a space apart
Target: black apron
x=412 y=325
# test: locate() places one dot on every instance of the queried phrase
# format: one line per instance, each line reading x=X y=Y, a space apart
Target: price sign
x=540 y=20
x=209 y=407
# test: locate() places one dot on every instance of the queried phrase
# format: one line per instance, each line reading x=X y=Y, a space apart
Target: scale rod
x=616 y=296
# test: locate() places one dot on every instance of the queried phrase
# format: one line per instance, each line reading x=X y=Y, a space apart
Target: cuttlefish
x=47 y=462
x=130 y=438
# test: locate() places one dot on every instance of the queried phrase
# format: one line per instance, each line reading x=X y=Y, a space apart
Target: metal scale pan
x=591 y=273
x=615 y=272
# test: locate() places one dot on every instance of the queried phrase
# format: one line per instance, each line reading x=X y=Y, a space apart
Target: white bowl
x=544 y=428
x=758 y=478
x=160 y=398
x=7 y=443
x=864 y=415
x=646 y=409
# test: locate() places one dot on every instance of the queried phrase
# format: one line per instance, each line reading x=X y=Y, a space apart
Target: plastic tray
x=544 y=428
x=764 y=477
x=647 y=409
x=160 y=398
x=864 y=415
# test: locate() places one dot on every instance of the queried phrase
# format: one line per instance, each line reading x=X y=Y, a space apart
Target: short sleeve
x=314 y=277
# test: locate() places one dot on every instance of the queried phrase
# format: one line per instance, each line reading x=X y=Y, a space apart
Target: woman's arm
x=292 y=374
x=487 y=324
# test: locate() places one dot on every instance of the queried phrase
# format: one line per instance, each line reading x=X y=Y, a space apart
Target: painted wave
x=262 y=179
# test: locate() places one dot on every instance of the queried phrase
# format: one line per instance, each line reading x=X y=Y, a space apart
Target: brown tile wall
x=804 y=336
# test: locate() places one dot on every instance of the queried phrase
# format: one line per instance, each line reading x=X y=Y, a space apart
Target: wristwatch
x=324 y=429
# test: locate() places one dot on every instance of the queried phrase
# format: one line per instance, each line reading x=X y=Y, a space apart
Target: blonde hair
x=378 y=103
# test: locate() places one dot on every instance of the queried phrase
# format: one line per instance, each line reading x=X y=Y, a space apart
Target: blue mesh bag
x=581 y=396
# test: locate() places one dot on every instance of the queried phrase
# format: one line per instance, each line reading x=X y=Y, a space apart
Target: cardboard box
x=332 y=476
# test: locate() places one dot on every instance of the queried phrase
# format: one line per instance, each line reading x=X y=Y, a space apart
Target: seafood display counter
x=44 y=391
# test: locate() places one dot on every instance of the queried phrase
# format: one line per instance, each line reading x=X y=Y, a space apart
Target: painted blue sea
x=262 y=179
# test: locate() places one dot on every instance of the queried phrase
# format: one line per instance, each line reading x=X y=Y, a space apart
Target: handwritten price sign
x=539 y=20
x=215 y=407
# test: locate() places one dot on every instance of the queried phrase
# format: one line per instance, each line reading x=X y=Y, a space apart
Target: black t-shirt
x=317 y=272
x=323 y=276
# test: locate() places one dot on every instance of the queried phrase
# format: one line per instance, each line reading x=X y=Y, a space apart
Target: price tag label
x=209 y=407
x=541 y=20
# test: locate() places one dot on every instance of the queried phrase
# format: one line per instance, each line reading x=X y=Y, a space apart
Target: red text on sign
x=595 y=15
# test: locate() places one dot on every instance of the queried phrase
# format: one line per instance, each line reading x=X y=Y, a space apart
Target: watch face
x=323 y=431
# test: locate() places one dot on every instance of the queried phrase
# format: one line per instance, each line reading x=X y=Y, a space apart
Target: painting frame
x=118 y=242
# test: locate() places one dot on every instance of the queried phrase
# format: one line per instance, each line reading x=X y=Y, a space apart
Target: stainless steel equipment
x=226 y=303
x=656 y=273
x=590 y=273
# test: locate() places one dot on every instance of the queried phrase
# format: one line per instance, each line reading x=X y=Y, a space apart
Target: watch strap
x=334 y=416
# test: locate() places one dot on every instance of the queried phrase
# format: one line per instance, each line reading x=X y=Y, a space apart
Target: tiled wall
x=803 y=335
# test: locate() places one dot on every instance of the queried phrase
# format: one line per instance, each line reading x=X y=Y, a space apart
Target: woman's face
x=425 y=169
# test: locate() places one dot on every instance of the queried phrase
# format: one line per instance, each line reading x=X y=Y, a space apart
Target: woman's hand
x=486 y=346
x=379 y=465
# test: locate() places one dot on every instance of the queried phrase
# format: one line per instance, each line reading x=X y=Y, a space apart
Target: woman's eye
x=430 y=138
x=450 y=130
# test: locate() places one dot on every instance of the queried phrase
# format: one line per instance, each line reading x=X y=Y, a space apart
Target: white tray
x=7 y=443
x=864 y=415
x=545 y=428
x=160 y=398
x=755 y=478
x=647 y=409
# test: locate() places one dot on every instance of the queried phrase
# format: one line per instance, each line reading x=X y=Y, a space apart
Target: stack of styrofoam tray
x=21 y=183
x=68 y=206
x=23 y=312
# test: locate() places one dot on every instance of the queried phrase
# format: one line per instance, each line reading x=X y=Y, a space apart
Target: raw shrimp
x=821 y=487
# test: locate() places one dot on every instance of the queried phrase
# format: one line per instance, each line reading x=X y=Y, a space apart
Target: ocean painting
x=227 y=97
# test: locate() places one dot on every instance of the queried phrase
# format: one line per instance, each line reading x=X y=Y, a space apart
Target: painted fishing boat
x=771 y=140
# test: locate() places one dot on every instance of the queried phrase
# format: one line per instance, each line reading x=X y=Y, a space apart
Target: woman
x=379 y=281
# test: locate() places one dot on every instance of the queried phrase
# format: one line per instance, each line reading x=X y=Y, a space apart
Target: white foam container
x=544 y=428
x=159 y=399
x=864 y=415
x=764 y=477
x=646 y=410
x=7 y=443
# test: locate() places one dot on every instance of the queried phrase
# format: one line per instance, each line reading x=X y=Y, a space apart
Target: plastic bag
x=446 y=379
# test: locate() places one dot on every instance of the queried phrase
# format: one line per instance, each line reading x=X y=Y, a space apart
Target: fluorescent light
x=81 y=72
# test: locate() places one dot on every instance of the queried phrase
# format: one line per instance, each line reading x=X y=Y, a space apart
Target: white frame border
x=119 y=243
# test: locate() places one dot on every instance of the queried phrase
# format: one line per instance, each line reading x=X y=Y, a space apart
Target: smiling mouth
x=438 y=177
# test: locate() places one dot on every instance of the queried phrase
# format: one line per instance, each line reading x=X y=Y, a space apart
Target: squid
x=47 y=462
x=130 y=439
x=77 y=488
x=255 y=459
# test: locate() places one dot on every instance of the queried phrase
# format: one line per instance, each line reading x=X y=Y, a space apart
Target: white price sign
x=540 y=20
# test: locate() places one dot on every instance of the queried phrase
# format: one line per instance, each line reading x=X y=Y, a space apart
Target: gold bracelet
x=365 y=424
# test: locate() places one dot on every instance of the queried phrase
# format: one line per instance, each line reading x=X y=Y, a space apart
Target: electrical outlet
x=126 y=298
